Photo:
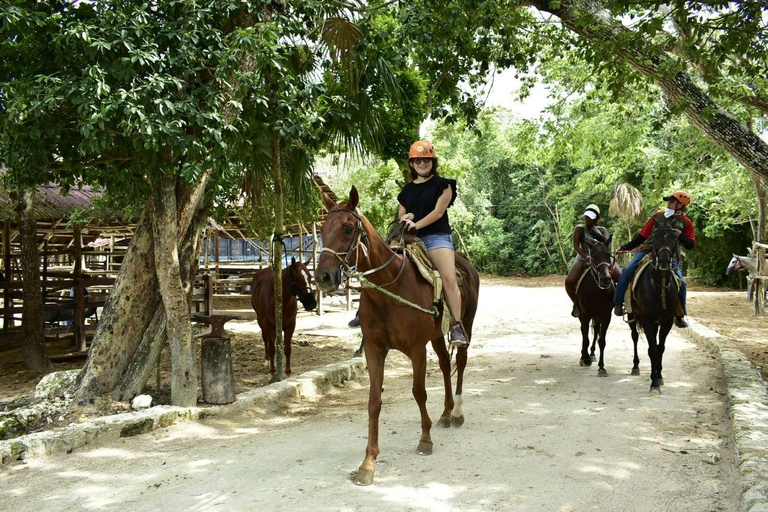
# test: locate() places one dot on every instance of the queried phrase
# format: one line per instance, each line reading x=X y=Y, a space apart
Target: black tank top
x=420 y=199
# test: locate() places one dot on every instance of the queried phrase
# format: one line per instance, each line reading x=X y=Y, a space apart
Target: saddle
x=416 y=251
x=636 y=279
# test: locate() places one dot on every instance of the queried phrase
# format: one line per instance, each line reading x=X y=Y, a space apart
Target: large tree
x=167 y=105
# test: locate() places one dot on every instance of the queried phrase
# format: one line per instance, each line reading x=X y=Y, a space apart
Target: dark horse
x=395 y=313
x=295 y=280
x=655 y=301
x=595 y=296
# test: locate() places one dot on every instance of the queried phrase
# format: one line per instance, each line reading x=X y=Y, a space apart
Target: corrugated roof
x=50 y=204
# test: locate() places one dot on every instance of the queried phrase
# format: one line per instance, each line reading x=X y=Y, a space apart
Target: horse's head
x=300 y=284
x=664 y=246
x=734 y=265
x=343 y=241
x=601 y=262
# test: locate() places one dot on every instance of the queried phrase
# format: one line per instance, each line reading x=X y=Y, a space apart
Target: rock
x=141 y=402
x=11 y=427
x=56 y=384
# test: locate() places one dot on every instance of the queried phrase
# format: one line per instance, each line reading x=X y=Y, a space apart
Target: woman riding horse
x=583 y=236
x=424 y=204
x=673 y=216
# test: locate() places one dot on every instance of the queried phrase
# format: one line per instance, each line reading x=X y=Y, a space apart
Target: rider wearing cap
x=673 y=216
x=583 y=237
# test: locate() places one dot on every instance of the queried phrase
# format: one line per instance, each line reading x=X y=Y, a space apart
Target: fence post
x=78 y=322
x=759 y=251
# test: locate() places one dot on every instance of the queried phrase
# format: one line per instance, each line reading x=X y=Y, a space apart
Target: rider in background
x=583 y=237
x=674 y=216
x=423 y=206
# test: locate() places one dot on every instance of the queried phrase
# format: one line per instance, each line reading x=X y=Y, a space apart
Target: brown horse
x=296 y=281
x=595 y=299
x=396 y=312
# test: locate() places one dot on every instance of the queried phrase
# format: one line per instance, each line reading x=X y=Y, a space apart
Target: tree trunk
x=277 y=255
x=32 y=326
x=591 y=20
x=168 y=270
x=128 y=321
x=145 y=359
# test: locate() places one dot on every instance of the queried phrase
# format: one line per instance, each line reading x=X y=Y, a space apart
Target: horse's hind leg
x=419 y=361
x=457 y=414
x=438 y=344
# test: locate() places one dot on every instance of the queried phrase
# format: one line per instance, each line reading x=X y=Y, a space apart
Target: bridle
x=295 y=290
x=358 y=244
x=666 y=283
x=595 y=269
x=362 y=243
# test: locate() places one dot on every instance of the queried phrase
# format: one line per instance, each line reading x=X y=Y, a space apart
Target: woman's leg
x=445 y=263
x=570 y=283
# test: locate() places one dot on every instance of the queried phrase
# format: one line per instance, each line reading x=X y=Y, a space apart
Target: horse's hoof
x=602 y=373
x=358 y=353
x=444 y=422
x=363 y=477
x=585 y=362
x=457 y=421
x=593 y=358
x=424 y=448
x=635 y=371
x=655 y=390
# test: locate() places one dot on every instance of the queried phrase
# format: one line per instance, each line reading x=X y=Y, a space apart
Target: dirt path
x=542 y=434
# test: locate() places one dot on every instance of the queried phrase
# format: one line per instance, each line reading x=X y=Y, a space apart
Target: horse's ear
x=293 y=260
x=354 y=198
x=608 y=240
x=328 y=202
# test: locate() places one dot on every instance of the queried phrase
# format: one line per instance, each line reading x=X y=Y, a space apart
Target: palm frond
x=626 y=203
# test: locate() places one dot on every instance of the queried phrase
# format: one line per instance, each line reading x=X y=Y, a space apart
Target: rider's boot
x=680 y=322
x=618 y=310
x=575 y=312
x=457 y=337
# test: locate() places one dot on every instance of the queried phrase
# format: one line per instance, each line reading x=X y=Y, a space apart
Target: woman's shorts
x=438 y=241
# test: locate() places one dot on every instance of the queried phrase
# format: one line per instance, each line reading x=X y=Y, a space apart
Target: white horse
x=745 y=263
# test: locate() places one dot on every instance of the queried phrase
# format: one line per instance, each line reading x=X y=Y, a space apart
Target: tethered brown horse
x=296 y=281
x=595 y=296
x=395 y=313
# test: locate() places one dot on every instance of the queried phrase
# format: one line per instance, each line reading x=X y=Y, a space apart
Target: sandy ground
x=541 y=434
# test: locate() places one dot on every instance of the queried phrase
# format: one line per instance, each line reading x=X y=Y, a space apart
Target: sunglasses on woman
x=417 y=161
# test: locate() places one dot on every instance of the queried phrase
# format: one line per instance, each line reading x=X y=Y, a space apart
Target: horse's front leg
x=595 y=337
x=288 y=332
x=651 y=330
x=603 y=328
x=419 y=361
x=663 y=332
x=438 y=344
x=585 y=360
x=374 y=357
x=635 y=337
